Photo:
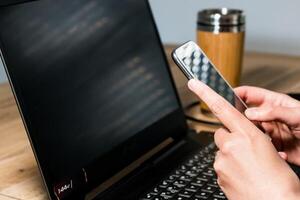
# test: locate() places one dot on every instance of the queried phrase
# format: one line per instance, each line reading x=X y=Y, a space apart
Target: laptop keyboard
x=195 y=179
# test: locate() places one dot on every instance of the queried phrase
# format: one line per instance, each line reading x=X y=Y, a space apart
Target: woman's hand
x=247 y=164
x=279 y=115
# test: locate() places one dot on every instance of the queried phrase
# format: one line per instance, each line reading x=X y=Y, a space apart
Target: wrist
x=294 y=194
x=289 y=190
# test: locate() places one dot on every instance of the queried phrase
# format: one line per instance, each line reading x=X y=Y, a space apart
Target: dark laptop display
x=92 y=84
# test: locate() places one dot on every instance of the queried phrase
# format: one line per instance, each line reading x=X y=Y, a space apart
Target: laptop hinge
x=169 y=152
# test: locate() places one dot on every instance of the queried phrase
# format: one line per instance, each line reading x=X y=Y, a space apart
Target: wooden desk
x=19 y=176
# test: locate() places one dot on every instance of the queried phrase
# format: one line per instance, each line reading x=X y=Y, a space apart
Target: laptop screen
x=92 y=84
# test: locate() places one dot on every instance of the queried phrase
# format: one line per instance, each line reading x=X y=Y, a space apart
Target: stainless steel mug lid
x=221 y=17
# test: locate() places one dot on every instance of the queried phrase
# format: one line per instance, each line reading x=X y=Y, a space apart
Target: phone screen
x=195 y=64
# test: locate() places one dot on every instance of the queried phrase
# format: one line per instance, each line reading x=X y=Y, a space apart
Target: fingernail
x=193 y=84
x=251 y=112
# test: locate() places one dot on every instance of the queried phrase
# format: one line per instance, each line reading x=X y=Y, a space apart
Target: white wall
x=272 y=25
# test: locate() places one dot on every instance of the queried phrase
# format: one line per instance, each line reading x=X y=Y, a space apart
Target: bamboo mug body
x=221 y=35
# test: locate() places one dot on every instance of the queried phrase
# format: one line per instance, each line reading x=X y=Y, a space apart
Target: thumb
x=287 y=115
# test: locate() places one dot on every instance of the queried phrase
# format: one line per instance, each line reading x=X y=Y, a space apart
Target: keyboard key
x=219 y=194
x=206 y=150
x=181 y=198
x=193 y=180
x=203 y=195
x=186 y=194
x=157 y=198
x=166 y=195
x=218 y=198
x=208 y=160
x=173 y=189
x=211 y=168
x=215 y=187
x=212 y=146
x=185 y=178
x=190 y=163
x=148 y=196
x=173 y=177
x=196 y=157
x=202 y=165
x=208 y=172
x=203 y=177
x=177 y=172
x=170 y=180
x=214 y=176
x=156 y=190
x=163 y=184
x=191 y=188
x=191 y=173
x=183 y=168
x=198 y=183
x=197 y=169
x=209 y=189
x=180 y=183
x=214 y=181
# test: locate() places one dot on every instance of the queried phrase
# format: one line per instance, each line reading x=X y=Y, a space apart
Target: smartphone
x=195 y=64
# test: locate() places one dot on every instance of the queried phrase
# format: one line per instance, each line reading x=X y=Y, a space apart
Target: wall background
x=272 y=25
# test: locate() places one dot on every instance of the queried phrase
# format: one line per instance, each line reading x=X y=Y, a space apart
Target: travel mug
x=221 y=34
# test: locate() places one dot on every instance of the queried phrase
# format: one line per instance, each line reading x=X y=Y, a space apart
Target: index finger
x=224 y=111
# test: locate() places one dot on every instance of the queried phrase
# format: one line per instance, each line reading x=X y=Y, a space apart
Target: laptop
x=99 y=104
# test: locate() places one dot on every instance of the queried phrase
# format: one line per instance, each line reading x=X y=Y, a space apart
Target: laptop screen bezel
x=179 y=131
